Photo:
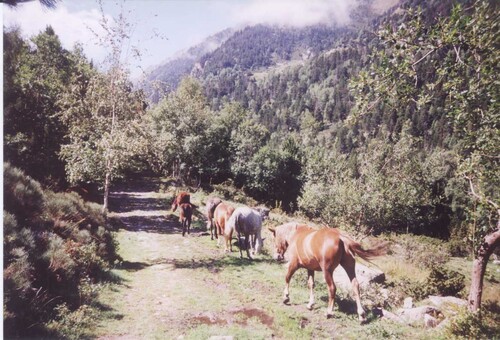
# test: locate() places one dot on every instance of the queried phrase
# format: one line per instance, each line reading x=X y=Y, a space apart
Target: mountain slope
x=167 y=76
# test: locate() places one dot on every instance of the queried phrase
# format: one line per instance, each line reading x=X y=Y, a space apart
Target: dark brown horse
x=212 y=203
x=222 y=214
x=185 y=215
x=321 y=250
x=182 y=197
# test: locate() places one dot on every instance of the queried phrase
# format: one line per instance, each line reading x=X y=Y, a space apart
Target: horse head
x=282 y=235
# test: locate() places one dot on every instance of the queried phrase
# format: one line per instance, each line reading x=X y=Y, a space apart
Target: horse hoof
x=310 y=307
x=286 y=301
x=329 y=315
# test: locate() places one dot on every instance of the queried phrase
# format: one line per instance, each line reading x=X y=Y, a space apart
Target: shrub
x=406 y=287
x=446 y=282
x=72 y=324
x=469 y=325
x=55 y=247
x=422 y=251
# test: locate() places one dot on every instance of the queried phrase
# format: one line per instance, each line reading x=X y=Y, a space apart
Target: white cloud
x=73 y=27
x=296 y=13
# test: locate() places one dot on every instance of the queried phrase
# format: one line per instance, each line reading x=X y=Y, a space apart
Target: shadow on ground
x=139 y=206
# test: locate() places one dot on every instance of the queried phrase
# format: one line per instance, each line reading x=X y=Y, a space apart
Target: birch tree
x=102 y=111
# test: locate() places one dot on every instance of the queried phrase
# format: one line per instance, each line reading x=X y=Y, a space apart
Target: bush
x=422 y=251
x=55 y=247
x=446 y=282
x=469 y=325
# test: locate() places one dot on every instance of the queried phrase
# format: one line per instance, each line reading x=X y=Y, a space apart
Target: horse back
x=317 y=249
x=248 y=221
x=222 y=213
x=186 y=210
x=212 y=204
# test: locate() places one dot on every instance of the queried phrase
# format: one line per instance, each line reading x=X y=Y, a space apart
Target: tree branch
x=481 y=198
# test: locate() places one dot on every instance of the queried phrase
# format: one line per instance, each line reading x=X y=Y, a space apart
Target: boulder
x=364 y=274
x=417 y=315
x=440 y=301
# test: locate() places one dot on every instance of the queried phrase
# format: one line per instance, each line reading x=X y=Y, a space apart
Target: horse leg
x=183 y=227
x=310 y=284
x=211 y=226
x=349 y=265
x=189 y=225
x=239 y=243
x=247 y=245
x=217 y=229
x=292 y=268
x=331 y=291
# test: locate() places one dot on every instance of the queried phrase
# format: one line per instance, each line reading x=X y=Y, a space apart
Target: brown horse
x=212 y=203
x=185 y=215
x=321 y=250
x=222 y=214
x=182 y=197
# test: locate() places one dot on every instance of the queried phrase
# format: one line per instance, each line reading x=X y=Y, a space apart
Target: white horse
x=248 y=222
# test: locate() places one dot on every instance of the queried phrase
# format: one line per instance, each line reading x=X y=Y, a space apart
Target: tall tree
x=455 y=62
x=35 y=75
x=102 y=112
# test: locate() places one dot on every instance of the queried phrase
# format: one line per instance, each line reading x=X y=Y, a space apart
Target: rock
x=408 y=303
x=430 y=321
x=440 y=301
x=417 y=315
x=391 y=316
x=364 y=274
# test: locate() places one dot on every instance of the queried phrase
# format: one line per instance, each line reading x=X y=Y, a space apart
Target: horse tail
x=354 y=248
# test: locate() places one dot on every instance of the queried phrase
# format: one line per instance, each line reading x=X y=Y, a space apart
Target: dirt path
x=172 y=286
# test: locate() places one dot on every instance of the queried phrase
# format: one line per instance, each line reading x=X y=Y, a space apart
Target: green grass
x=169 y=286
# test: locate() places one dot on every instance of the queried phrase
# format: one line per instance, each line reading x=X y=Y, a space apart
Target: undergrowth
x=56 y=248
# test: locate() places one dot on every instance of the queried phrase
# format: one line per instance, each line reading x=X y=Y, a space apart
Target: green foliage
x=422 y=251
x=274 y=175
x=451 y=63
x=55 y=244
x=387 y=185
x=446 y=282
x=36 y=72
x=470 y=325
x=101 y=113
x=73 y=324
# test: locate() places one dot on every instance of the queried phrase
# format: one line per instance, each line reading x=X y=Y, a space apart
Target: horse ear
x=272 y=230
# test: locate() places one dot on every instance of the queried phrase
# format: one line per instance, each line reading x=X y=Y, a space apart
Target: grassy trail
x=174 y=287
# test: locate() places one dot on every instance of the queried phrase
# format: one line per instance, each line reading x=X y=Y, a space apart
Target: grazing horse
x=321 y=250
x=185 y=215
x=182 y=197
x=212 y=203
x=222 y=213
x=248 y=222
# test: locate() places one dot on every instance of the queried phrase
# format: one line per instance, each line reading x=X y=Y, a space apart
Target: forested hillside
x=389 y=125
x=166 y=77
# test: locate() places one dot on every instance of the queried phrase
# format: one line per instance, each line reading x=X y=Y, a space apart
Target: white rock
x=364 y=274
x=439 y=301
x=408 y=303
x=417 y=315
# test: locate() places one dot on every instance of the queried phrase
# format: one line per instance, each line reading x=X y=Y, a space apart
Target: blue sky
x=163 y=27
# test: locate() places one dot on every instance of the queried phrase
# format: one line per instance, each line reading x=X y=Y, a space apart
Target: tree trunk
x=107 y=183
x=490 y=242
